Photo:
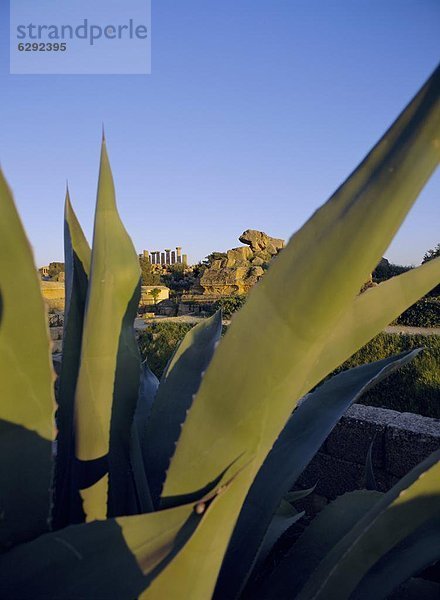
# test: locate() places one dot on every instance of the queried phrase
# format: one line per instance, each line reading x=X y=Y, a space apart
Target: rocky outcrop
x=242 y=267
x=260 y=241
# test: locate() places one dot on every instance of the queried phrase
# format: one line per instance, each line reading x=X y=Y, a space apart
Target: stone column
x=162 y=258
x=179 y=254
x=167 y=251
x=185 y=260
x=147 y=255
x=173 y=258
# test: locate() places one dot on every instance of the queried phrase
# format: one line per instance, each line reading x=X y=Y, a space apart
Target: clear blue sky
x=255 y=111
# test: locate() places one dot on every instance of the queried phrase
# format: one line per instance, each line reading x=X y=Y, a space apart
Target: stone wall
x=53 y=294
x=401 y=441
x=147 y=299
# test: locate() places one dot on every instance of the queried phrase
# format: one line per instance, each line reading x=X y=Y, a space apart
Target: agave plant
x=179 y=488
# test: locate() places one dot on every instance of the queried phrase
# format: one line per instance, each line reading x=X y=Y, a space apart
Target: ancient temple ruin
x=166 y=257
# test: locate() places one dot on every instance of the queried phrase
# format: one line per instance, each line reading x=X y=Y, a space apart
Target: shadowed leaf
x=325 y=531
x=410 y=504
x=408 y=558
x=303 y=435
x=67 y=507
x=115 y=558
x=175 y=394
x=26 y=386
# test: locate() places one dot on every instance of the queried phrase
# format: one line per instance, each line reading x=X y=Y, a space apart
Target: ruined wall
x=53 y=294
x=401 y=441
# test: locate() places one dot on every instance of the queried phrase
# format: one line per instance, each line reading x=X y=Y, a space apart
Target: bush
x=424 y=313
x=415 y=387
x=159 y=341
x=229 y=305
x=385 y=270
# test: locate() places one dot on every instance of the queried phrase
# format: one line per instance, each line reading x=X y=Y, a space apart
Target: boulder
x=238 y=256
x=258 y=240
x=224 y=282
x=264 y=255
x=216 y=264
x=237 y=271
x=256 y=272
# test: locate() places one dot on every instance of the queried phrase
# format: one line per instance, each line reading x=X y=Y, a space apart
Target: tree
x=214 y=256
x=55 y=268
x=385 y=270
x=155 y=293
x=148 y=276
x=177 y=279
x=430 y=255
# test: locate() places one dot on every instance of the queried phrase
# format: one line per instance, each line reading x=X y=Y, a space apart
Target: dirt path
x=141 y=324
x=412 y=330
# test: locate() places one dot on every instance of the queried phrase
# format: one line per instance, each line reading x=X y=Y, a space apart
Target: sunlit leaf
x=277 y=347
x=108 y=379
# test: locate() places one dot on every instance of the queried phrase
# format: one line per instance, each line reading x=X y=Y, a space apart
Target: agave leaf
x=282 y=520
x=115 y=558
x=108 y=379
x=277 y=346
x=416 y=589
x=325 y=531
x=299 y=494
x=303 y=435
x=147 y=393
x=370 y=479
x=175 y=394
x=77 y=256
x=410 y=504
x=26 y=386
x=192 y=573
x=408 y=558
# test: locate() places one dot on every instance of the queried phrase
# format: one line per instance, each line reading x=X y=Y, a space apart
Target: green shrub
x=159 y=341
x=229 y=305
x=414 y=388
x=386 y=270
x=424 y=313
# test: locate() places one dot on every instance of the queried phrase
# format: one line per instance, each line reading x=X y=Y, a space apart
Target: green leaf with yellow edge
x=273 y=351
x=67 y=506
x=108 y=379
x=411 y=503
x=114 y=558
x=26 y=386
